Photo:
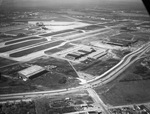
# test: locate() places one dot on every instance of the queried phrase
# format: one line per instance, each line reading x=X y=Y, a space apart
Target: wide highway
x=104 y=78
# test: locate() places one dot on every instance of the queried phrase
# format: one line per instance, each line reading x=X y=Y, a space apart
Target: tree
x=63 y=80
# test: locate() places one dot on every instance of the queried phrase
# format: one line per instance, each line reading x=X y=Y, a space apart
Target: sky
x=53 y=3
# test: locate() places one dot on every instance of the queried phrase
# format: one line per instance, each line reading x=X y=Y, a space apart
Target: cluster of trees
x=18 y=108
x=63 y=80
x=143 y=71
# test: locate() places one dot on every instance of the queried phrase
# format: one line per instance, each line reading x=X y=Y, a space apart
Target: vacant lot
x=91 y=27
x=36 y=49
x=61 y=48
x=20 y=45
x=97 y=67
x=56 y=33
x=5 y=62
x=22 y=39
x=122 y=36
x=60 y=75
x=125 y=93
x=132 y=87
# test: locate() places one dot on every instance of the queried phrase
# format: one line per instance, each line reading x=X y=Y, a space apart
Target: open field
x=43 y=16
x=111 y=24
x=141 y=37
x=20 y=45
x=13 y=27
x=126 y=29
x=4 y=38
x=126 y=93
x=62 y=66
x=120 y=42
x=91 y=27
x=61 y=48
x=22 y=39
x=131 y=87
x=4 y=62
x=16 y=32
x=141 y=33
x=56 y=33
x=123 y=36
x=59 y=75
x=69 y=34
x=98 y=37
x=36 y=49
x=97 y=67
x=145 y=23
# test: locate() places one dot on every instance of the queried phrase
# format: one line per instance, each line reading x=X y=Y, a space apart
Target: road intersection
x=106 y=77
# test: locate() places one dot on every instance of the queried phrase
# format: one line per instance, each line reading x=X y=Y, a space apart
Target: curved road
x=105 y=77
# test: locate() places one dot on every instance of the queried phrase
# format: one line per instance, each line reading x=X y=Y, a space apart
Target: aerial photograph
x=74 y=57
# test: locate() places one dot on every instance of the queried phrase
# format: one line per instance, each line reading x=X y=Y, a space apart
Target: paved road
x=97 y=99
x=105 y=78
x=120 y=67
x=122 y=63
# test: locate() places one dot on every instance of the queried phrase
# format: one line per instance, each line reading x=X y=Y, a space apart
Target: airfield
x=75 y=58
x=56 y=40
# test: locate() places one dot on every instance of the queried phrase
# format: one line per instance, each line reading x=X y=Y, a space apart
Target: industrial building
x=78 y=54
x=29 y=72
x=116 y=44
x=73 y=56
x=86 y=52
x=99 y=55
x=122 y=43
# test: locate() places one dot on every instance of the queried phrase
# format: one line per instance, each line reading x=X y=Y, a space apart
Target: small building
x=72 y=56
x=114 y=43
x=83 y=51
x=27 y=73
x=99 y=55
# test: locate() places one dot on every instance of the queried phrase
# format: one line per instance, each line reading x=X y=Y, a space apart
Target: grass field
x=98 y=67
x=62 y=65
x=91 y=27
x=69 y=34
x=131 y=87
x=141 y=36
x=20 y=45
x=55 y=33
x=5 y=62
x=16 y=32
x=35 y=49
x=126 y=93
x=19 y=40
x=122 y=36
x=59 y=76
x=61 y=48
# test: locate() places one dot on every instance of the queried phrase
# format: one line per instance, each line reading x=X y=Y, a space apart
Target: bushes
x=63 y=80
x=18 y=108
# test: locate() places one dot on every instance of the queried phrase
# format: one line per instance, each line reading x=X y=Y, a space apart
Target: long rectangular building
x=30 y=71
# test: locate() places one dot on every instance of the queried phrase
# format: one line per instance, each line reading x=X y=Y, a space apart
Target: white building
x=30 y=71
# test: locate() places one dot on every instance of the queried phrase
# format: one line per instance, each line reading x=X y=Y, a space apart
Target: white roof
x=31 y=70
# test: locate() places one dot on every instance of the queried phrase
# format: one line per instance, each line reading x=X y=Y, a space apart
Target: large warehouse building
x=30 y=71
